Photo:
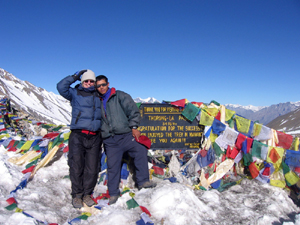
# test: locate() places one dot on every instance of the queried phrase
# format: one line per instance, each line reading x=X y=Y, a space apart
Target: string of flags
x=231 y=143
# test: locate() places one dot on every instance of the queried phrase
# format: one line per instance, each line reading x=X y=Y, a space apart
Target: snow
x=248 y=107
x=47 y=198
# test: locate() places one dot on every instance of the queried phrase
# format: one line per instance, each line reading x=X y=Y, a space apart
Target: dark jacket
x=121 y=114
x=86 y=106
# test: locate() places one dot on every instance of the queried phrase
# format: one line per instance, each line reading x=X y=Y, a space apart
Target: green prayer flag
x=247 y=159
x=132 y=204
x=83 y=217
x=190 y=111
x=138 y=104
x=285 y=167
x=11 y=207
x=217 y=149
x=31 y=164
x=256 y=148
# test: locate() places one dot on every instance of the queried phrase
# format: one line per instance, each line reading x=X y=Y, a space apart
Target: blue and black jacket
x=86 y=106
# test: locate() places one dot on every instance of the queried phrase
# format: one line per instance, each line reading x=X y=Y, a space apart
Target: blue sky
x=243 y=52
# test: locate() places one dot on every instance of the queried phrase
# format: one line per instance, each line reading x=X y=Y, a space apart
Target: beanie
x=88 y=75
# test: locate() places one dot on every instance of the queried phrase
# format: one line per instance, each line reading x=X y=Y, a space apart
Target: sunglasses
x=101 y=85
x=91 y=81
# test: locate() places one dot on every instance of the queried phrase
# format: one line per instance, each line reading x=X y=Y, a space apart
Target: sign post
x=165 y=126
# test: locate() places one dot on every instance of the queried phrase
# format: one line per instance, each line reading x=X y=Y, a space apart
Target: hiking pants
x=115 y=146
x=83 y=161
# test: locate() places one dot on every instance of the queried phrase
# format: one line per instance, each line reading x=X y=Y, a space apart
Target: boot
x=147 y=184
x=88 y=200
x=113 y=199
x=77 y=202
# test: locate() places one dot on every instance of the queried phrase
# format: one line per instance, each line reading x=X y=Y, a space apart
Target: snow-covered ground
x=47 y=199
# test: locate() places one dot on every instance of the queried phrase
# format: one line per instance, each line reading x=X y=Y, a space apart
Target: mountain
x=147 y=100
x=41 y=105
x=288 y=123
x=264 y=114
x=36 y=102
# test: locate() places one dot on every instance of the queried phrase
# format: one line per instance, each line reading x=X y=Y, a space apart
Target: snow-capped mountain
x=264 y=114
x=147 y=100
x=288 y=123
x=48 y=107
x=40 y=104
x=37 y=102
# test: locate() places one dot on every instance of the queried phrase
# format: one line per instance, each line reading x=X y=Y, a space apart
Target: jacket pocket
x=77 y=118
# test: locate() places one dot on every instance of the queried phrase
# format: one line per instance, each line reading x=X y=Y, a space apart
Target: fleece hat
x=88 y=75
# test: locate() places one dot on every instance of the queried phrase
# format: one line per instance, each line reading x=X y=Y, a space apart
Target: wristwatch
x=134 y=127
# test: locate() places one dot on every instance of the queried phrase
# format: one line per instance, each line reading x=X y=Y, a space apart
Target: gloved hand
x=77 y=75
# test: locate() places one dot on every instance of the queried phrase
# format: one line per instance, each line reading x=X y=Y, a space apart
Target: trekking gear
x=147 y=184
x=113 y=199
x=78 y=74
x=88 y=200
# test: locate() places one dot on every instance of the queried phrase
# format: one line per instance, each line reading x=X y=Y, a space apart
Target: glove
x=77 y=75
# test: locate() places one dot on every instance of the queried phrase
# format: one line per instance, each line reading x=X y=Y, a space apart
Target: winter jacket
x=86 y=105
x=121 y=114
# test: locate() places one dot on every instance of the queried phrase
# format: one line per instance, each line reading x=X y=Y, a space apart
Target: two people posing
x=101 y=114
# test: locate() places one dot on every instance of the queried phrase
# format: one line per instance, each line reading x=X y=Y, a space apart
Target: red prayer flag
x=253 y=170
x=228 y=152
x=274 y=156
x=51 y=135
x=29 y=169
x=180 y=103
x=297 y=169
x=158 y=170
x=145 y=210
x=198 y=104
x=239 y=141
x=11 y=143
x=266 y=171
x=249 y=144
x=234 y=153
x=223 y=158
x=66 y=149
x=11 y=200
x=284 y=140
x=218 y=116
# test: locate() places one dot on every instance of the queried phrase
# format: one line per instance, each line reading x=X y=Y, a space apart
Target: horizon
x=233 y=52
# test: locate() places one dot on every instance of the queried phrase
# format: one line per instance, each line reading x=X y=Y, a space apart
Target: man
x=85 y=140
x=120 y=118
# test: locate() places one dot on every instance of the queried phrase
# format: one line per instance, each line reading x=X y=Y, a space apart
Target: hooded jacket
x=121 y=114
x=86 y=105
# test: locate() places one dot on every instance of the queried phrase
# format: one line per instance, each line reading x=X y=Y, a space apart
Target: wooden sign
x=165 y=126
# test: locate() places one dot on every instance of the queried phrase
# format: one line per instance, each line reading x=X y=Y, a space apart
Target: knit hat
x=88 y=75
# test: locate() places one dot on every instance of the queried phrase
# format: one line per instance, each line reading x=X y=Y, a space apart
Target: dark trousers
x=115 y=146
x=83 y=161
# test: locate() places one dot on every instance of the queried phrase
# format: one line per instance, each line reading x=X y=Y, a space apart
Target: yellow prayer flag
x=256 y=129
x=4 y=135
x=27 y=145
x=206 y=119
x=295 y=144
x=67 y=135
x=213 y=137
x=228 y=114
x=212 y=111
x=279 y=152
x=277 y=179
x=291 y=177
x=242 y=124
x=278 y=183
